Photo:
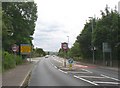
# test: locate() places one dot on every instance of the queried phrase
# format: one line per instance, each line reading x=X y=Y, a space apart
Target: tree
x=105 y=29
x=40 y=52
x=19 y=20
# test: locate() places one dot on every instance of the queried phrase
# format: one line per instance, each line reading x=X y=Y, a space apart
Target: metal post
x=93 y=54
x=110 y=58
x=68 y=47
x=65 y=59
x=15 y=58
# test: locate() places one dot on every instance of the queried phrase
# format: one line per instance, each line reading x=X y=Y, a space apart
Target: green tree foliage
x=105 y=29
x=74 y=52
x=18 y=22
x=61 y=53
x=40 y=52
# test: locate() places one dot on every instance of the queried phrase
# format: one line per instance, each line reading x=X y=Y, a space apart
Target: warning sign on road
x=25 y=48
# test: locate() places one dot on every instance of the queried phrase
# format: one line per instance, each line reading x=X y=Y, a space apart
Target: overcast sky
x=58 y=19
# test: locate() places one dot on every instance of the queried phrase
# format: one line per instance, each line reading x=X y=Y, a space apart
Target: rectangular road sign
x=106 y=47
x=25 y=48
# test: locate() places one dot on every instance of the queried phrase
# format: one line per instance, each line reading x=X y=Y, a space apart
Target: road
x=48 y=73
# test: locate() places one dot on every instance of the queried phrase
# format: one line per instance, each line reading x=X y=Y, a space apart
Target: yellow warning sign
x=25 y=48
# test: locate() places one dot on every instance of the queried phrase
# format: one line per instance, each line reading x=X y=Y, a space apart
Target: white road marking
x=55 y=66
x=87 y=71
x=62 y=71
x=106 y=82
x=85 y=80
x=91 y=76
x=77 y=72
x=58 y=60
x=110 y=77
x=52 y=64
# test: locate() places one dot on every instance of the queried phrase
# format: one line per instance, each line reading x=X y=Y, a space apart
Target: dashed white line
x=110 y=77
x=106 y=82
x=62 y=71
x=85 y=80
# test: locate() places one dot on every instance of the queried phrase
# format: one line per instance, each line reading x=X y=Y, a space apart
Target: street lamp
x=68 y=41
x=93 y=48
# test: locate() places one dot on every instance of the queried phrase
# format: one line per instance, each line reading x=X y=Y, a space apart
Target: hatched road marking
x=87 y=71
x=106 y=82
x=77 y=72
x=91 y=76
x=62 y=71
x=85 y=80
x=58 y=60
x=110 y=77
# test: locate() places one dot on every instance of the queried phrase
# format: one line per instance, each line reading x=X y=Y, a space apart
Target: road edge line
x=27 y=75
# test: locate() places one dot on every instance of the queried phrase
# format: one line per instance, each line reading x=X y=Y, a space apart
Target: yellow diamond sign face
x=25 y=48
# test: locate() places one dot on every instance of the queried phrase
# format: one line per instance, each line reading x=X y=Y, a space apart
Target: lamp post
x=93 y=48
x=68 y=47
x=68 y=41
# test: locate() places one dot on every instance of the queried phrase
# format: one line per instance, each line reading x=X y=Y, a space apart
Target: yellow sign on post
x=70 y=66
x=25 y=48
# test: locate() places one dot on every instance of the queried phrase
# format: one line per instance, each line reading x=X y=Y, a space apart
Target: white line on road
x=58 y=60
x=85 y=80
x=87 y=71
x=77 y=72
x=106 y=82
x=91 y=76
x=55 y=67
x=110 y=77
x=62 y=71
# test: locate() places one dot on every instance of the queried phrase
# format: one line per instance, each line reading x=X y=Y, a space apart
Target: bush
x=19 y=60
x=9 y=61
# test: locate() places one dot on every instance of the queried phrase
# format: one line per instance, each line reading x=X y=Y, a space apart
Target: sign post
x=70 y=61
x=25 y=49
x=15 y=49
x=107 y=49
x=64 y=46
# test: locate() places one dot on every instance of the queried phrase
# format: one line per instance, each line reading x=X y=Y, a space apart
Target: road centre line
x=91 y=76
x=110 y=77
x=85 y=80
x=87 y=71
x=106 y=82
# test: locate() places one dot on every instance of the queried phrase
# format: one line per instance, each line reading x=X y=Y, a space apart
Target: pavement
x=18 y=75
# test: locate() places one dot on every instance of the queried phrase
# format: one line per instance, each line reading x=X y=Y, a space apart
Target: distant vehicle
x=46 y=56
x=53 y=55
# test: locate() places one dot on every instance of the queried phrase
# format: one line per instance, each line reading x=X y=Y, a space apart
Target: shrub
x=19 y=60
x=10 y=60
